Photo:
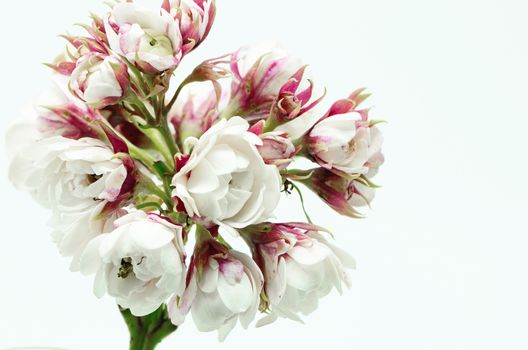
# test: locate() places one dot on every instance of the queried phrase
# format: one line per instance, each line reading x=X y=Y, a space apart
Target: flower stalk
x=147 y=332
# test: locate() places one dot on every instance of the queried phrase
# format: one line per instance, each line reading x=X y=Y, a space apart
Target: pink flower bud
x=61 y=114
x=290 y=102
x=99 y=80
x=211 y=70
x=195 y=17
x=259 y=73
x=344 y=140
x=342 y=194
x=277 y=149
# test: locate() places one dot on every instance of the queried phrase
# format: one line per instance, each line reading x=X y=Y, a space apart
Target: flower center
x=126 y=268
x=158 y=45
x=93 y=178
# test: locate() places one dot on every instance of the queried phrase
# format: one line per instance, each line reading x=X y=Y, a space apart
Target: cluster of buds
x=129 y=172
x=346 y=145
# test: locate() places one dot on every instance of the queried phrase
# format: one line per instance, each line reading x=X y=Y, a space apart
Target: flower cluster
x=131 y=169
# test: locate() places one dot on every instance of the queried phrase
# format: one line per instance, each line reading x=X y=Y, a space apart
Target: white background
x=442 y=257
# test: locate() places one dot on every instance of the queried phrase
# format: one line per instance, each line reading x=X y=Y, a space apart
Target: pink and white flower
x=344 y=140
x=259 y=72
x=195 y=17
x=223 y=287
x=81 y=181
x=277 y=149
x=225 y=179
x=300 y=266
x=99 y=80
x=151 y=40
x=141 y=262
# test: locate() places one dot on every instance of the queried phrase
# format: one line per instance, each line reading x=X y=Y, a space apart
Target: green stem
x=302 y=202
x=148 y=331
x=162 y=194
x=176 y=94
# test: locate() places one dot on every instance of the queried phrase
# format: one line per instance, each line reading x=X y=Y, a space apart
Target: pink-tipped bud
x=61 y=114
x=211 y=70
x=292 y=103
x=259 y=72
x=344 y=195
x=100 y=80
x=277 y=150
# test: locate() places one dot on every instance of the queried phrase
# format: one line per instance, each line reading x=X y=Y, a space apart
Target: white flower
x=76 y=179
x=224 y=287
x=98 y=80
x=149 y=39
x=141 y=262
x=226 y=180
x=300 y=266
x=345 y=143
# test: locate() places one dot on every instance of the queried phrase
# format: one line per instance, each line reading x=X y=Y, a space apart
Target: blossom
x=345 y=140
x=259 y=73
x=277 y=149
x=98 y=80
x=140 y=263
x=224 y=286
x=82 y=181
x=300 y=266
x=195 y=17
x=149 y=39
x=225 y=179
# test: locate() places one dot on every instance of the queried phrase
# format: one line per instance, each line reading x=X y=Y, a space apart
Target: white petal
x=238 y=297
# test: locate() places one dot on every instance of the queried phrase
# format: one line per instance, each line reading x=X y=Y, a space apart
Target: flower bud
x=343 y=194
x=195 y=17
x=277 y=149
x=59 y=113
x=99 y=81
x=259 y=73
x=291 y=103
